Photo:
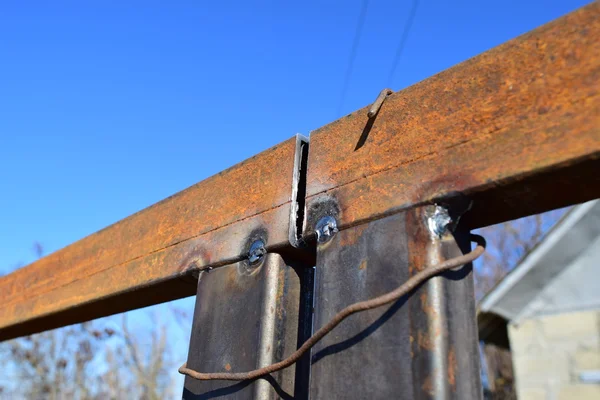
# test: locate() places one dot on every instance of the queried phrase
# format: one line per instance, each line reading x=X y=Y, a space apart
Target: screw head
x=326 y=227
x=257 y=252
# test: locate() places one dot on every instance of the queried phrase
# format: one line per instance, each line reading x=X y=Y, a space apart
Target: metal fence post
x=424 y=346
x=247 y=316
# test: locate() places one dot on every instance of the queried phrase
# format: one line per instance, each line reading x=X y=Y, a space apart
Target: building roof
x=559 y=274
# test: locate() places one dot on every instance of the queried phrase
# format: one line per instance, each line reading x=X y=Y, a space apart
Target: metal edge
x=298 y=194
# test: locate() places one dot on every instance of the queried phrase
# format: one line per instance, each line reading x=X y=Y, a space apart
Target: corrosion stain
x=426 y=338
x=427 y=386
x=426 y=307
x=232 y=280
x=281 y=291
x=452 y=367
x=228 y=367
x=351 y=236
x=424 y=341
x=363 y=265
x=417 y=251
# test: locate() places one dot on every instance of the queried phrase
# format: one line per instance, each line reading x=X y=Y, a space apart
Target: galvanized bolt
x=438 y=221
x=257 y=252
x=326 y=228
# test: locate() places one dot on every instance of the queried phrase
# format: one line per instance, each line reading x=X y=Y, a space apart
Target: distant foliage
x=508 y=243
x=90 y=361
x=102 y=359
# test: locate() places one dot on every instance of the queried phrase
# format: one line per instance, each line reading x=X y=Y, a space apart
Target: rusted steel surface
x=157 y=249
x=294 y=359
x=424 y=345
x=245 y=317
x=517 y=129
x=444 y=348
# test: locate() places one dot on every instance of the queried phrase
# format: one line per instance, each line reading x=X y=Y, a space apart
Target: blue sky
x=106 y=107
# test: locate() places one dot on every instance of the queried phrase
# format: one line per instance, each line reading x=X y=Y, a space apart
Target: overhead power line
x=402 y=43
x=359 y=27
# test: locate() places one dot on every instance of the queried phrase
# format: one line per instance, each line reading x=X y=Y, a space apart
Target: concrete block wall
x=550 y=352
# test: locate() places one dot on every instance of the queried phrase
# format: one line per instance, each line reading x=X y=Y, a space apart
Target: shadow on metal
x=232 y=389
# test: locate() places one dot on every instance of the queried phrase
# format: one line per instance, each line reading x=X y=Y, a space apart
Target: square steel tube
x=423 y=346
x=246 y=317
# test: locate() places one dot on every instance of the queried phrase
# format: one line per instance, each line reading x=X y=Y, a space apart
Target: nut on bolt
x=326 y=227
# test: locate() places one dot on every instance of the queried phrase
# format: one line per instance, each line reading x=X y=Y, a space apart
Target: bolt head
x=438 y=221
x=326 y=228
x=257 y=252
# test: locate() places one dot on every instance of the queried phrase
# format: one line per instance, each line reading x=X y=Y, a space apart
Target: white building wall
x=550 y=353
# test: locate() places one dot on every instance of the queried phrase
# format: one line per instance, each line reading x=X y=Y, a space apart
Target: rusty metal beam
x=150 y=257
x=516 y=129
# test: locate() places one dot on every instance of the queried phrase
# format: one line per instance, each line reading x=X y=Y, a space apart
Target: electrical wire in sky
x=402 y=43
x=359 y=27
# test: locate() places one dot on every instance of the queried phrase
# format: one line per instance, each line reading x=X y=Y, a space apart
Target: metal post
x=246 y=317
x=422 y=347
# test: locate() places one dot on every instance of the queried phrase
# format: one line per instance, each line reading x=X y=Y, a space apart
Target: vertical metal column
x=245 y=317
x=424 y=346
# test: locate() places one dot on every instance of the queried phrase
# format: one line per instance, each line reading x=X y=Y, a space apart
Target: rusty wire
x=374 y=109
x=408 y=286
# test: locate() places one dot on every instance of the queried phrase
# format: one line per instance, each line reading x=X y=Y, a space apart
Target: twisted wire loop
x=408 y=286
